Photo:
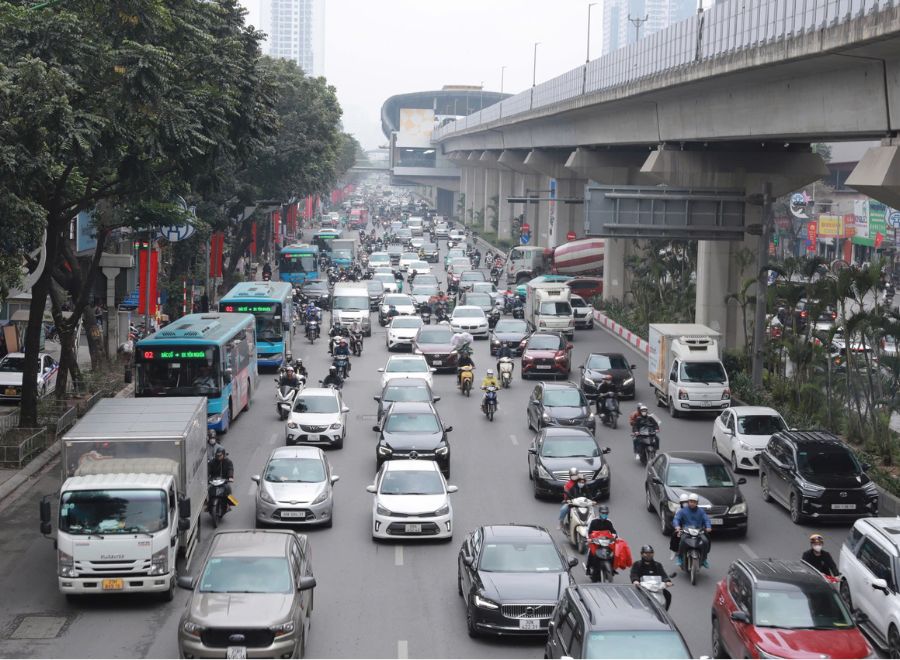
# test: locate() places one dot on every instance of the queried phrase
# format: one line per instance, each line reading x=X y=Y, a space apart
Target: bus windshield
x=297 y=262
x=179 y=371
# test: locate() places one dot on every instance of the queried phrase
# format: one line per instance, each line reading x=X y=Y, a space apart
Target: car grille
x=399 y=529
x=421 y=455
x=577 y=421
x=429 y=514
x=112 y=567
x=313 y=429
x=223 y=637
x=527 y=611
x=715 y=510
x=563 y=475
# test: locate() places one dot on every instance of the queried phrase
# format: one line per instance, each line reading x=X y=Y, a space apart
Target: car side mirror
x=376 y=428
x=532 y=450
x=228 y=375
x=377 y=398
x=334 y=479
x=881 y=585
x=345 y=409
x=436 y=399
x=572 y=561
x=861 y=618
x=370 y=488
x=607 y=450
x=433 y=370
x=381 y=370
x=741 y=481
x=452 y=489
x=551 y=626
x=185 y=581
x=865 y=466
x=656 y=480
x=184 y=524
x=468 y=560
x=581 y=367
x=633 y=366
x=448 y=429
x=740 y=617
x=306 y=582
x=570 y=346
x=255 y=478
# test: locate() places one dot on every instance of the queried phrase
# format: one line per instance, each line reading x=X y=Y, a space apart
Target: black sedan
x=376 y=293
x=558 y=404
x=511 y=577
x=317 y=292
x=701 y=472
x=404 y=389
x=511 y=332
x=413 y=430
x=556 y=449
x=610 y=367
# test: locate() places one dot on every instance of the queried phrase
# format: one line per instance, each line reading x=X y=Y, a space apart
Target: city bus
x=211 y=355
x=298 y=263
x=322 y=239
x=272 y=305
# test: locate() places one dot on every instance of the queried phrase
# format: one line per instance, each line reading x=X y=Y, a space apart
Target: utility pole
x=637 y=23
x=534 y=66
x=587 y=57
x=762 y=283
x=502 y=71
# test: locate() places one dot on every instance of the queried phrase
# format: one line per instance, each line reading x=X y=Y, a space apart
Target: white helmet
x=490 y=372
x=693 y=497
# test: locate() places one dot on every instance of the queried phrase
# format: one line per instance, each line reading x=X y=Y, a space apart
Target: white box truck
x=349 y=303
x=685 y=368
x=548 y=308
x=133 y=489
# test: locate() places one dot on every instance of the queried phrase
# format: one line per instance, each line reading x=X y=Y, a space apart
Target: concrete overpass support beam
x=469 y=192
x=491 y=198
x=477 y=197
x=614 y=254
x=878 y=173
x=569 y=217
x=505 y=180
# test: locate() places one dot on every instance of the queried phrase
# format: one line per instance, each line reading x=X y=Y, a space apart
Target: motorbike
x=217 y=500
x=599 y=564
x=342 y=364
x=284 y=399
x=505 y=369
x=493 y=317
x=653 y=585
x=440 y=314
x=495 y=275
x=489 y=405
x=581 y=510
x=690 y=551
x=518 y=311
x=609 y=410
x=356 y=343
x=648 y=442
x=312 y=330
x=466 y=376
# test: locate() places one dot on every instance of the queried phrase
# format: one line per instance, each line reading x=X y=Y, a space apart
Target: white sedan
x=742 y=432
x=388 y=281
x=406 y=366
x=402 y=331
x=319 y=417
x=471 y=319
x=412 y=500
x=11 y=368
x=406 y=258
x=421 y=267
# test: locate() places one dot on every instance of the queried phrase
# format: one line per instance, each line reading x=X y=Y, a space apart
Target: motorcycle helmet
x=573 y=472
x=603 y=510
x=683 y=499
x=332 y=370
x=642 y=408
x=816 y=538
x=646 y=549
x=490 y=372
x=289 y=371
x=693 y=497
x=220 y=452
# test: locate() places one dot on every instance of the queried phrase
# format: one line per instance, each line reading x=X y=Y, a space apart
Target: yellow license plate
x=113 y=585
x=10 y=391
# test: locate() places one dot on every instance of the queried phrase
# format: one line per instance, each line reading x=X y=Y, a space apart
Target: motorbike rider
x=819 y=558
x=289 y=378
x=221 y=467
x=392 y=312
x=212 y=445
x=267 y=269
x=333 y=379
x=336 y=331
x=604 y=389
x=490 y=380
x=503 y=351
x=641 y=419
x=412 y=276
x=647 y=565
x=311 y=313
x=601 y=523
x=465 y=360
x=300 y=369
x=693 y=516
x=343 y=350
x=674 y=540
x=575 y=487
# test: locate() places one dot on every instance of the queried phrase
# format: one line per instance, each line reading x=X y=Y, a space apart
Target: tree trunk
x=68 y=360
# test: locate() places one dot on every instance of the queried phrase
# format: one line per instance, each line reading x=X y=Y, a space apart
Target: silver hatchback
x=295 y=488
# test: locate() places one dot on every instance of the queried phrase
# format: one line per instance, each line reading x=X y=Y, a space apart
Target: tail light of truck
x=682 y=395
x=726 y=393
x=66 y=565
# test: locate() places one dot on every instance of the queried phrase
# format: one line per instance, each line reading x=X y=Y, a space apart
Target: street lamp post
x=637 y=23
x=587 y=57
x=534 y=65
x=502 y=71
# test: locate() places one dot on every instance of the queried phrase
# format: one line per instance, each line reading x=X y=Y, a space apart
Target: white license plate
x=312 y=437
x=530 y=624
x=717 y=521
x=843 y=507
x=293 y=514
x=706 y=404
x=236 y=652
x=413 y=528
x=437 y=363
x=544 y=366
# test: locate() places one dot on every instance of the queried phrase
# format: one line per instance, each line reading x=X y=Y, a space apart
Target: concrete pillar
x=878 y=173
x=469 y=192
x=713 y=269
x=491 y=198
x=111 y=328
x=614 y=282
x=505 y=180
x=477 y=194
x=569 y=217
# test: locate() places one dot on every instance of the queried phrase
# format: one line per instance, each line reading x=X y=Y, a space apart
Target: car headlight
x=603 y=472
x=321 y=498
x=66 y=565
x=590 y=381
x=763 y=654
x=292 y=425
x=264 y=495
x=628 y=381
x=740 y=507
x=418 y=352
x=442 y=451
x=283 y=629
x=382 y=511
x=336 y=426
x=443 y=511
x=214 y=419
x=811 y=489
x=545 y=417
x=744 y=446
x=870 y=489
x=673 y=507
x=192 y=629
x=485 y=604
x=384 y=450
x=159 y=562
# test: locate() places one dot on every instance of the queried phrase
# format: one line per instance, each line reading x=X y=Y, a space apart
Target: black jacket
x=332 y=379
x=290 y=382
x=641 y=568
x=822 y=562
x=600 y=525
x=223 y=469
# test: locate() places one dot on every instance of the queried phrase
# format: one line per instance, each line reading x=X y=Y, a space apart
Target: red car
x=546 y=354
x=773 y=608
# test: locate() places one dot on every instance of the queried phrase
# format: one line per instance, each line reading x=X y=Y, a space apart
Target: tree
x=109 y=102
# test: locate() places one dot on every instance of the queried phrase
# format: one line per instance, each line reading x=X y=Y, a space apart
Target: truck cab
x=548 y=308
x=526 y=262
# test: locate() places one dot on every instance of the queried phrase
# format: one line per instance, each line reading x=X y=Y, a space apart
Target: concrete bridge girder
x=878 y=173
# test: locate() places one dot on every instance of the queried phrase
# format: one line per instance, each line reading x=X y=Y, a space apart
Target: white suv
x=869 y=565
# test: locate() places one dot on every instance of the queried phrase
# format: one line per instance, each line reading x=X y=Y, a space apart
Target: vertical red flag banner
x=142 y=285
x=292 y=219
x=216 y=253
x=276 y=227
x=308 y=208
x=253 y=239
x=811 y=236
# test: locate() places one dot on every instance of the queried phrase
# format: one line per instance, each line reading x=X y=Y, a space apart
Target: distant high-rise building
x=619 y=31
x=295 y=29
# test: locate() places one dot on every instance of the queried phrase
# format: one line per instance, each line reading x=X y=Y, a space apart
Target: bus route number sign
x=174 y=355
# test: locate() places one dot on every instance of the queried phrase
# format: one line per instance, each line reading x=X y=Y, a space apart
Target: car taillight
x=804 y=314
x=834 y=315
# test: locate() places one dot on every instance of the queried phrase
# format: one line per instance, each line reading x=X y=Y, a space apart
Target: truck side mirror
x=184 y=508
x=185 y=581
x=45 y=512
x=184 y=524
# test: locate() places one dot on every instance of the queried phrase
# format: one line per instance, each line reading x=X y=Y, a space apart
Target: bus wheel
x=249 y=396
x=226 y=422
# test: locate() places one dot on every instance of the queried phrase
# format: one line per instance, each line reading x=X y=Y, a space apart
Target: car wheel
x=328 y=524
x=459 y=583
x=470 y=624
x=718 y=649
x=845 y=594
x=169 y=594
x=664 y=525
x=893 y=642
x=796 y=516
x=735 y=468
x=764 y=487
x=715 y=446
x=673 y=413
x=649 y=503
x=340 y=443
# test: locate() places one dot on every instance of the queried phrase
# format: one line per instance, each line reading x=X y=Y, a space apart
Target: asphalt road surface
x=385 y=600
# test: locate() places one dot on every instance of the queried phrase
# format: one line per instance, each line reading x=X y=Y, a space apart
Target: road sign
x=524 y=238
x=894 y=219
x=526 y=228
x=570 y=236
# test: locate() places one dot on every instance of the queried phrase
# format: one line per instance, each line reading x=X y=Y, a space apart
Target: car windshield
x=101 y=512
x=409 y=366
x=468 y=313
x=564 y=396
x=483 y=287
x=412 y=423
x=472 y=276
x=379 y=258
x=525 y=557
x=12 y=364
x=315 y=289
x=179 y=371
x=511 y=326
x=429 y=247
x=577 y=301
x=295 y=471
x=384 y=277
x=698 y=475
x=396 y=301
x=397 y=393
x=480 y=299
x=316 y=404
x=569 y=447
x=703 y=372
x=544 y=343
x=555 y=309
x=409 y=256
x=419 y=265
x=816 y=462
x=457 y=262
x=425 y=289
x=246 y=575
x=406 y=322
x=374 y=287
x=635 y=644
x=411 y=482
x=800 y=606
x=435 y=336
x=607 y=362
x=760 y=424
x=455 y=253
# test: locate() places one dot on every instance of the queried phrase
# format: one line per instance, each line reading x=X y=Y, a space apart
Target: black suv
x=815 y=475
x=559 y=404
x=612 y=621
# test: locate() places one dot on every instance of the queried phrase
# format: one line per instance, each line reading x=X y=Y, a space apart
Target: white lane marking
x=514 y=439
x=748 y=551
x=398 y=556
x=402 y=649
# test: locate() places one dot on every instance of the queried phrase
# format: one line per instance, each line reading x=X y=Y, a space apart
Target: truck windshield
x=164 y=373
x=555 y=309
x=113 y=511
x=351 y=303
x=703 y=372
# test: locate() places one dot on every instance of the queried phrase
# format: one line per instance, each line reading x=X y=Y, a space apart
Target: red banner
x=253 y=239
x=811 y=236
x=292 y=219
x=308 y=208
x=216 y=252
x=276 y=227
x=142 y=285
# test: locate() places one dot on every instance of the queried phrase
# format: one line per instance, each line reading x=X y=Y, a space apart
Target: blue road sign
x=524 y=239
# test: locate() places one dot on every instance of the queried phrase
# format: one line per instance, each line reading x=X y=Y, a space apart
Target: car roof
x=297 y=452
x=250 y=543
x=515 y=532
x=407 y=382
x=703 y=457
x=407 y=318
x=402 y=358
x=555 y=335
x=565 y=385
x=754 y=410
x=559 y=431
x=467 y=307
x=318 y=391
x=605 y=354
x=775 y=572
x=408 y=465
x=812 y=438
x=412 y=407
x=888 y=526
x=620 y=607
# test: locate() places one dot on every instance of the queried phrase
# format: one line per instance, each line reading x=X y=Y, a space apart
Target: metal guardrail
x=728 y=27
x=16 y=451
x=9 y=421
